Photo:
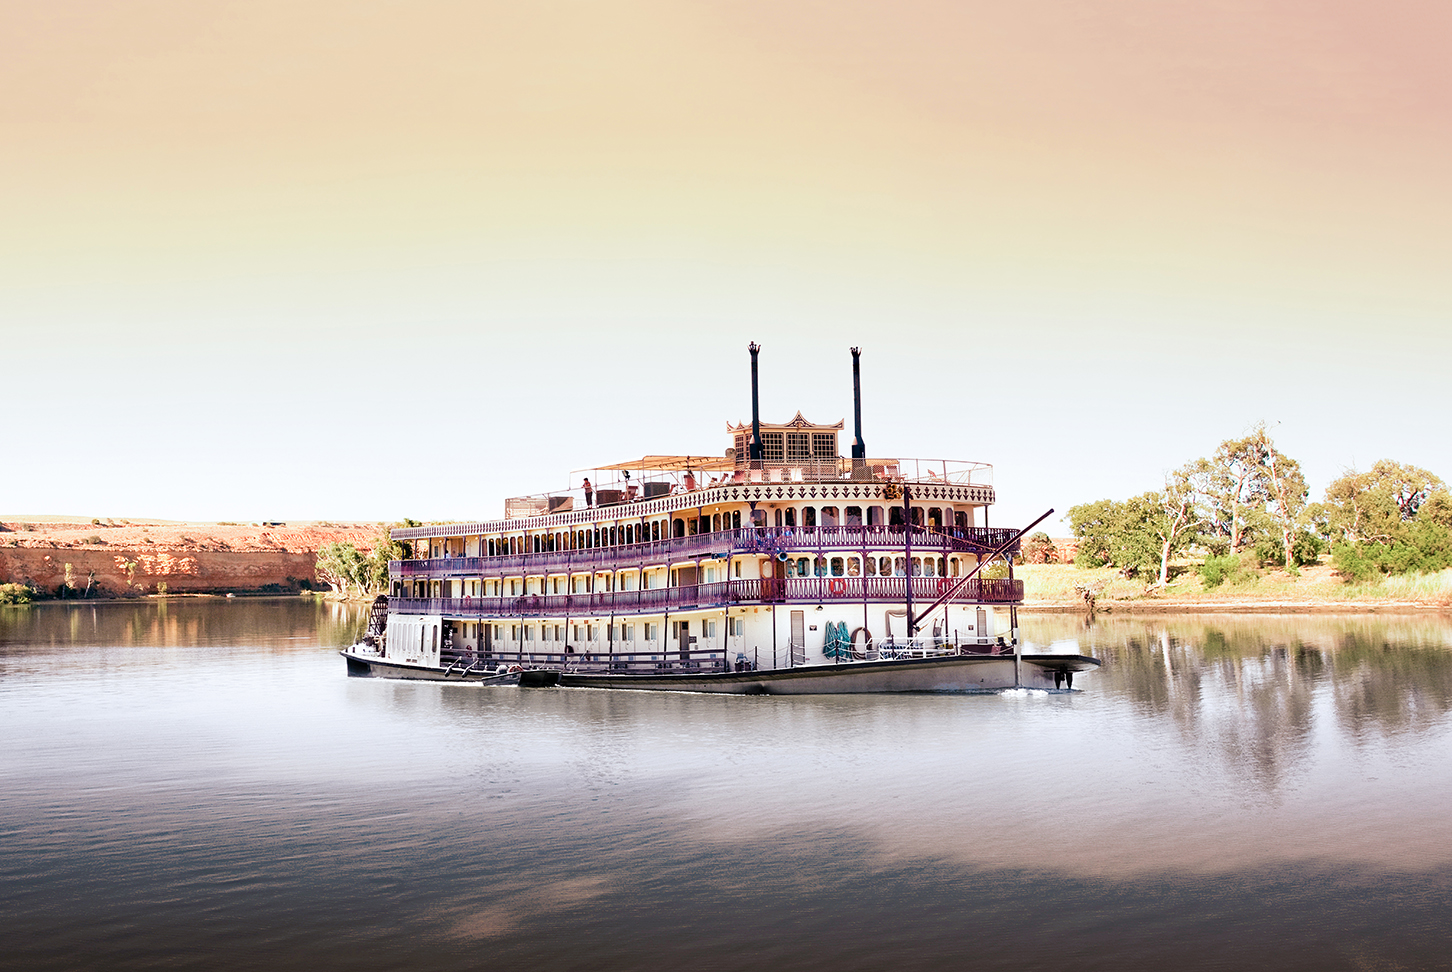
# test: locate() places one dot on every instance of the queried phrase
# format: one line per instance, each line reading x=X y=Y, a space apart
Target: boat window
x=715 y=522
x=790 y=517
x=930 y=567
x=771 y=443
x=829 y=516
x=869 y=566
x=953 y=565
x=854 y=569
x=809 y=516
x=917 y=516
x=874 y=516
x=899 y=566
x=651 y=632
x=960 y=520
x=804 y=567
x=917 y=567
x=837 y=567
x=758 y=518
x=942 y=567
x=894 y=516
x=678 y=527
x=853 y=516
x=935 y=517
x=821 y=566
x=736 y=520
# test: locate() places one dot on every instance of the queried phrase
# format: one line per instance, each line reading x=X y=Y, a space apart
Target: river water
x=197 y=784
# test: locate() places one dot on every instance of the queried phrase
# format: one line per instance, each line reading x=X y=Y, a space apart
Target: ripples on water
x=197 y=784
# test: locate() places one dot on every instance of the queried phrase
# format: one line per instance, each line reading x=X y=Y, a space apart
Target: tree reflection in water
x=1251 y=686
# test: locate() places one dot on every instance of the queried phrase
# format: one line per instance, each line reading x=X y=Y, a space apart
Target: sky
x=373 y=260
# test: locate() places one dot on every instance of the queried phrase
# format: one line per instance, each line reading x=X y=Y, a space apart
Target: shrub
x=1424 y=547
x=16 y=594
x=1351 y=563
x=1230 y=569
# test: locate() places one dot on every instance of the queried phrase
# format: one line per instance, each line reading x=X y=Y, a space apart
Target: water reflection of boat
x=780 y=567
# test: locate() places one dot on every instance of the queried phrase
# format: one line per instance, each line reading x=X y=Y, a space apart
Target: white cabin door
x=982 y=632
x=799 y=638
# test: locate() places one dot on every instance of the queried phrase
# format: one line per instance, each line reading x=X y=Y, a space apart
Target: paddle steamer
x=778 y=567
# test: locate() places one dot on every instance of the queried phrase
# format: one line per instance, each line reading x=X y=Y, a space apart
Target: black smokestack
x=755 y=454
x=859 y=448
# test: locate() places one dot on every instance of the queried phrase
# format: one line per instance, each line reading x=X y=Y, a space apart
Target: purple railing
x=826 y=590
x=747 y=540
x=467 y=656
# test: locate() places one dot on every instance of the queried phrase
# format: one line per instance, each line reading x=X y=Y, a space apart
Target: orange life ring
x=837 y=586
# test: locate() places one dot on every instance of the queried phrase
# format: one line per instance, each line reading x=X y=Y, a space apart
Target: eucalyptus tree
x=1373 y=505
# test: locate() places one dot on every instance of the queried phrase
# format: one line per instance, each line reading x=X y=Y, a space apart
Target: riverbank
x=72 y=557
x=1313 y=590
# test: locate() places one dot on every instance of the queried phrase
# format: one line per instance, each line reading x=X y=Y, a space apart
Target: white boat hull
x=955 y=673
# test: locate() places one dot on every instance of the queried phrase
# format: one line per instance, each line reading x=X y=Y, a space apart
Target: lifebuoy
x=837 y=586
x=515 y=668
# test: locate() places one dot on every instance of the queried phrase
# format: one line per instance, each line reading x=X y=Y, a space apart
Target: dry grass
x=1421 y=587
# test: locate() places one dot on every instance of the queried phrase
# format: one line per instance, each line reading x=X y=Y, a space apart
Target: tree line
x=1248 y=505
x=351 y=573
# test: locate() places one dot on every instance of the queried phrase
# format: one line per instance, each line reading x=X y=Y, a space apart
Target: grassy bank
x=1317 y=587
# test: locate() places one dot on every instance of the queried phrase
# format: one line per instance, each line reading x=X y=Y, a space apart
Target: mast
x=755 y=451
x=859 y=448
x=907 y=532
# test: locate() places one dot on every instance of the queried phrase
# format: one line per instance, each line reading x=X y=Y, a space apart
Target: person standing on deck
x=589 y=494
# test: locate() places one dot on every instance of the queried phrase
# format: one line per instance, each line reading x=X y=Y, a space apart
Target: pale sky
x=376 y=259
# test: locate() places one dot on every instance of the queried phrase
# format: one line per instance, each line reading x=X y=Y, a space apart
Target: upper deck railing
x=618 y=494
x=770 y=540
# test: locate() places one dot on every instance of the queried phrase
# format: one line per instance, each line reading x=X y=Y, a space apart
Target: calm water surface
x=198 y=785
